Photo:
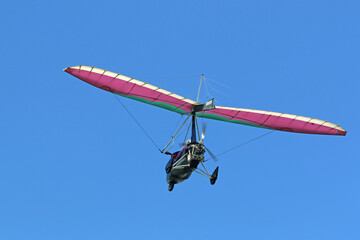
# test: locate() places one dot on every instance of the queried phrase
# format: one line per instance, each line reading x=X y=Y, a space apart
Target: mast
x=202 y=76
x=193 y=128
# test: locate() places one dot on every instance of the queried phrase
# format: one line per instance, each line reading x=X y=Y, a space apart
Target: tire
x=214 y=176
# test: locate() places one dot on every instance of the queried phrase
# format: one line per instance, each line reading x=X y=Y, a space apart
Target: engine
x=195 y=154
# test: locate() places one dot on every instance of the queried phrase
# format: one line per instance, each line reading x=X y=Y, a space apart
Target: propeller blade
x=212 y=155
x=203 y=131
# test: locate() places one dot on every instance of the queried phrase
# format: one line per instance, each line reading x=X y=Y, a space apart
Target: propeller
x=202 y=137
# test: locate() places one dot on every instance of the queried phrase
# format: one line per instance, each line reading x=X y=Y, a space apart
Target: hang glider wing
x=273 y=120
x=132 y=88
x=144 y=92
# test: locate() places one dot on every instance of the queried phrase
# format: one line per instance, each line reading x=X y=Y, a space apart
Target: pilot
x=176 y=156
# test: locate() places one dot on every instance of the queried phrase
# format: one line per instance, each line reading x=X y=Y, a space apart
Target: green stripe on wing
x=157 y=104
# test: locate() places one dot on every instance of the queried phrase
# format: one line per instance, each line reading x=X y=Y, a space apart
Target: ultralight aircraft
x=186 y=161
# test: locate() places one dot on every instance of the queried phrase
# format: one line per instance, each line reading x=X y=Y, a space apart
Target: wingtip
x=71 y=69
x=341 y=132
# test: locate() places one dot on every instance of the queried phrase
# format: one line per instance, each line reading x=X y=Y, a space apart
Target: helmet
x=188 y=142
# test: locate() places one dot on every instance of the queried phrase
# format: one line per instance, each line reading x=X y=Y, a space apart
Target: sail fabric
x=144 y=92
x=273 y=120
x=132 y=88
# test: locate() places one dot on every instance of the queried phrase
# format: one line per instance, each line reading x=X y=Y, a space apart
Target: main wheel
x=214 y=176
x=171 y=186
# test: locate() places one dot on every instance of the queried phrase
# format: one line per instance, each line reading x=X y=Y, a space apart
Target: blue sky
x=74 y=165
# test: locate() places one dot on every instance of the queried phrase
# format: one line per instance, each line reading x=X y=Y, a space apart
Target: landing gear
x=214 y=176
x=171 y=186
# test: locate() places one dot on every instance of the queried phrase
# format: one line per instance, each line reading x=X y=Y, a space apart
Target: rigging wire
x=207 y=86
x=240 y=145
x=207 y=93
x=233 y=94
x=132 y=116
x=215 y=90
x=219 y=83
x=186 y=134
x=178 y=122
